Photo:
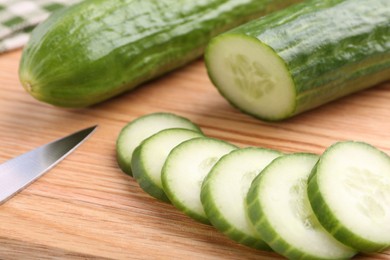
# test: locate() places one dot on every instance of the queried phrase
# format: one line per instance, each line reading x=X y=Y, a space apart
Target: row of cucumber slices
x=300 y=205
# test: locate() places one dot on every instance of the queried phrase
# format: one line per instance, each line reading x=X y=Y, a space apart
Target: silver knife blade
x=19 y=172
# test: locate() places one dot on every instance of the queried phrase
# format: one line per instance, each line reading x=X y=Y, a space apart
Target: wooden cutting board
x=86 y=208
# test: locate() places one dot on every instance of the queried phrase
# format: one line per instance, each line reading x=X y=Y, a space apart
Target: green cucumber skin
x=144 y=181
x=172 y=197
x=225 y=227
x=124 y=159
x=139 y=168
x=97 y=49
x=219 y=221
x=255 y=213
x=331 y=48
x=330 y=222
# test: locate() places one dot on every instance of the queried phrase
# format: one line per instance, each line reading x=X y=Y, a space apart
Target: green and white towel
x=19 y=17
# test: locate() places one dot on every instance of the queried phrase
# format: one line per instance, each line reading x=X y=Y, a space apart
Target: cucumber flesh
x=279 y=209
x=224 y=191
x=184 y=170
x=141 y=128
x=149 y=157
x=350 y=194
x=251 y=76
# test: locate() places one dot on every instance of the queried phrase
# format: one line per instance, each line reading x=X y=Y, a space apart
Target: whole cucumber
x=97 y=49
x=302 y=56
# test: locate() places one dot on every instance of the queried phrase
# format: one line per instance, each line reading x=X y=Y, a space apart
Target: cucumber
x=279 y=209
x=149 y=157
x=184 y=170
x=224 y=191
x=143 y=127
x=97 y=49
x=349 y=191
x=301 y=57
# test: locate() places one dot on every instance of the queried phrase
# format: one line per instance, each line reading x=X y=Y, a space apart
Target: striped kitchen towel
x=19 y=17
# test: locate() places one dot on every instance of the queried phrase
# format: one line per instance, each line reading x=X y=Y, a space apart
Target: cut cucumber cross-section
x=141 y=128
x=279 y=209
x=350 y=194
x=301 y=57
x=184 y=170
x=225 y=188
x=149 y=158
x=251 y=76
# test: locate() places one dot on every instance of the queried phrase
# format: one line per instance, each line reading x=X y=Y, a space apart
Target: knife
x=19 y=172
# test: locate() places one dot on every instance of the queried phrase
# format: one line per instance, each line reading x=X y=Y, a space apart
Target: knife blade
x=19 y=172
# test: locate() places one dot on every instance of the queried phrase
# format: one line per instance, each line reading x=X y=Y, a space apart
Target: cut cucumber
x=184 y=170
x=302 y=57
x=279 y=209
x=350 y=194
x=149 y=158
x=224 y=191
x=143 y=127
x=251 y=76
x=302 y=206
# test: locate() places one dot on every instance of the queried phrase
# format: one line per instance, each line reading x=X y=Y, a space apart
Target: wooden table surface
x=86 y=208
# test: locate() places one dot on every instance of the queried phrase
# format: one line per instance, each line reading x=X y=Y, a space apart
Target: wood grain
x=86 y=208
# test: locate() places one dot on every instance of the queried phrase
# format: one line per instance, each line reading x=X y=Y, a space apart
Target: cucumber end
x=28 y=83
x=251 y=76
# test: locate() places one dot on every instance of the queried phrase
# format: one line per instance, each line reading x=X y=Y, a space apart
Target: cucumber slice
x=350 y=194
x=184 y=170
x=143 y=127
x=224 y=191
x=279 y=209
x=149 y=157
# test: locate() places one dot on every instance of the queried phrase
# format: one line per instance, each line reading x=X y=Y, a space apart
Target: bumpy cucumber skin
x=219 y=221
x=98 y=49
x=331 y=223
x=331 y=48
